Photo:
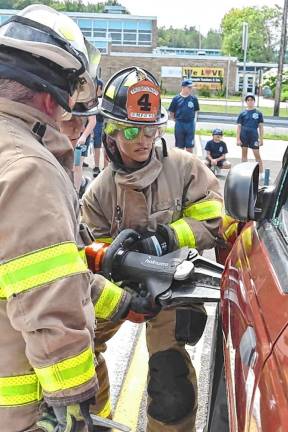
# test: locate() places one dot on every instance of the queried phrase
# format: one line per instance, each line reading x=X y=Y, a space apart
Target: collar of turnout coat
x=143 y=177
x=42 y=127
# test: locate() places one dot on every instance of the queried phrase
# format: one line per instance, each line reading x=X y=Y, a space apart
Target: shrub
x=204 y=91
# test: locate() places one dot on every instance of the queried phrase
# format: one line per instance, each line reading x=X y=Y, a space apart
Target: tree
x=264 y=26
x=60 y=5
x=189 y=37
x=213 y=40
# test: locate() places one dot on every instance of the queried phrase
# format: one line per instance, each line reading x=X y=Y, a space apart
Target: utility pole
x=245 y=47
x=281 y=60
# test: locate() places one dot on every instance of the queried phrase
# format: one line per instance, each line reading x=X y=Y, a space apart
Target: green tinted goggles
x=132 y=132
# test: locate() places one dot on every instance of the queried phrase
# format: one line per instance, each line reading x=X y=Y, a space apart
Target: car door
x=255 y=316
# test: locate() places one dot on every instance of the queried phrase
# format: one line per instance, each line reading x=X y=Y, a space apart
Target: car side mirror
x=241 y=191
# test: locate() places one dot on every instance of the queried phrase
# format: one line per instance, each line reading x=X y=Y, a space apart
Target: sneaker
x=85 y=165
x=83 y=186
x=96 y=171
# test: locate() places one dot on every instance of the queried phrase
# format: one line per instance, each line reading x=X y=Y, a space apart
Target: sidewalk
x=272 y=152
x=263 y=102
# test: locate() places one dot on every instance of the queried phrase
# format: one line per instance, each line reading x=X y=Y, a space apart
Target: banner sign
x=211 y=77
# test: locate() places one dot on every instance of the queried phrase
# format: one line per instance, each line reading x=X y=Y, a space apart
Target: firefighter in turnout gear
x=49 y=299
x=172 y=199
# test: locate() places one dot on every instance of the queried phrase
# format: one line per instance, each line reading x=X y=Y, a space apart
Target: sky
x=203 y=14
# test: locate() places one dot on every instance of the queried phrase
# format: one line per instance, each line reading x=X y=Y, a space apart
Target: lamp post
x=244 y=47
x=283 y=45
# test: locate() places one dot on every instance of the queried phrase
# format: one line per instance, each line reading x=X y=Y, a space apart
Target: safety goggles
x=132 y=132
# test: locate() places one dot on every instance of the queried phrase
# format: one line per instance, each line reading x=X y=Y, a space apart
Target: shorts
x=184 y=134
x=250 y=142
x=97 y=140
x=219 y=163
x=81 y=151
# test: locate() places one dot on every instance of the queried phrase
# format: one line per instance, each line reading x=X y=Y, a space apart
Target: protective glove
x=73 y=417
x=142 y=309
x=159 y=243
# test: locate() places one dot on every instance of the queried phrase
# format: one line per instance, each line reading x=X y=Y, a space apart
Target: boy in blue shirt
x=250 y=131
x=216 y=151
x=183 y=109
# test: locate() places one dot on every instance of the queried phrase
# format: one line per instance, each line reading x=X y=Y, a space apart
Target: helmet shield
x=132 y=96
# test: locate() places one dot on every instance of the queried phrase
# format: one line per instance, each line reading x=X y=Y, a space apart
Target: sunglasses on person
x=132 y=132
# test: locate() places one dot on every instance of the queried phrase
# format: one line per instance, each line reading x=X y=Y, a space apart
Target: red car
x=254 y=303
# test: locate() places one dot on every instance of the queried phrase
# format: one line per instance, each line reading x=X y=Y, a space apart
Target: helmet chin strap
x=164 y=147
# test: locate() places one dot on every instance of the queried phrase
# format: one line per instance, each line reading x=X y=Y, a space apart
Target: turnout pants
x=172 y=384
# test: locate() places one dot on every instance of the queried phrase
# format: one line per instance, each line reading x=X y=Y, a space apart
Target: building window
x=145 y=25
x=4 y=18
x=99 y=33
x=116 y=38
x=144 y=38
x=129 y=38
x=130 y=25
x=85 y=26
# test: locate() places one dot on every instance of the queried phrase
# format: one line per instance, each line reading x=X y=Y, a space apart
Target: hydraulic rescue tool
x=181 y=277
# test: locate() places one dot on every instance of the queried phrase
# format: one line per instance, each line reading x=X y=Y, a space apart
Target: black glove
x=159 y=243
x=142 y=309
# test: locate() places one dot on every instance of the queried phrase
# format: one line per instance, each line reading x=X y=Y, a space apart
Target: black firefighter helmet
x=132 y=96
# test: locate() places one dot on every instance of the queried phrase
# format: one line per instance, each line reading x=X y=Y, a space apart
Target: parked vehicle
x=254 y=302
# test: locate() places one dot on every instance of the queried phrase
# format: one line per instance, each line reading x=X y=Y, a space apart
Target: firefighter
x=172 y=199
x=46 y=313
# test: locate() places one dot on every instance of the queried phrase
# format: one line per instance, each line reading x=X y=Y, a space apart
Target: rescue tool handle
x=125 y=236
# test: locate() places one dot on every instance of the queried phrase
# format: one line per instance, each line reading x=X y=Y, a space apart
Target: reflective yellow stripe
x=104 y=240
x=227 y=221
x=40 y=267
x=230 y=231
x=108 y=300
x=106 y=411
x=110 y=91
x=68 y=373
x=19 y=390
x=184 y=233
x=204 y=210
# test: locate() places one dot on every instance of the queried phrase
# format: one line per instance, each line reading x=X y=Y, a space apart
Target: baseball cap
x=187 y=82
x=217 y=131
x=249 y=95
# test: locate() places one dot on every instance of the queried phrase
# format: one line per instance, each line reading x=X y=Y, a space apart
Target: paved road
x=127 y=354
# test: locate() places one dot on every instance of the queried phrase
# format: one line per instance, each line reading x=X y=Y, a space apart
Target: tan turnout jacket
x=46 y=313
x=178 y=190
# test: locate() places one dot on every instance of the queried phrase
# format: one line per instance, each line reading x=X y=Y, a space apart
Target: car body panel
x=254 y=316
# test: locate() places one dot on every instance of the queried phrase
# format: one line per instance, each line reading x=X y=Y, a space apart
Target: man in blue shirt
x=183 y=109
x=250 y=131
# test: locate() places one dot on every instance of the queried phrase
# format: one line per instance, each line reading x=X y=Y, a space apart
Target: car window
x=283 y=221
x=280 y=217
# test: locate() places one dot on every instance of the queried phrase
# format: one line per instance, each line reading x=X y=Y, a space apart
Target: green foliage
x=270 y=78
x=264 y=29
x=189 y=37
x=284 y=94
x=212 y=40
x=61 y=5
x=204 y=91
